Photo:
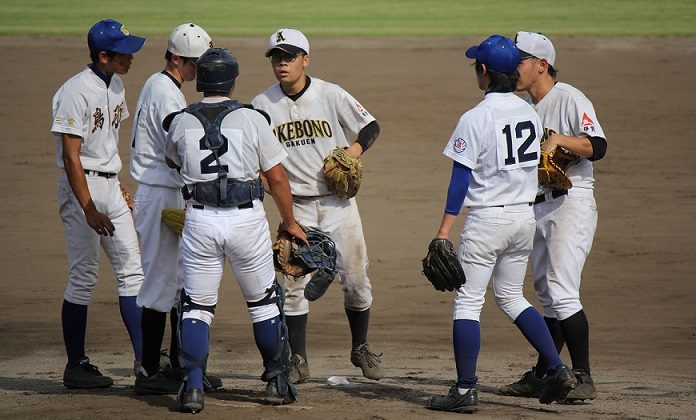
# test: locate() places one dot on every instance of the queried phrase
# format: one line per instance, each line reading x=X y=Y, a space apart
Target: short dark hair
x=168 y=56
x=500 y=82
x=94 y=56
x=552 y=71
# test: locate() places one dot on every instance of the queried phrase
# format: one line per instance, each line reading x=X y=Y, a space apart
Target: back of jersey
x=499 y=140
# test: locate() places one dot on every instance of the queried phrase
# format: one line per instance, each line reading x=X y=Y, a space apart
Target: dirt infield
x=639 y=287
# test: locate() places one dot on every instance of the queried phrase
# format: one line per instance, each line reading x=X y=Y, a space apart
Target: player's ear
x=306 y=60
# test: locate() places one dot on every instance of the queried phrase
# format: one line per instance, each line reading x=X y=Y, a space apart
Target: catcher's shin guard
x=277 y=367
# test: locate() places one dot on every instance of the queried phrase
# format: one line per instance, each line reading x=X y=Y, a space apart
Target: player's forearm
x=581 y=146
x=446 y=225
x=76 y=173
x=282 y=196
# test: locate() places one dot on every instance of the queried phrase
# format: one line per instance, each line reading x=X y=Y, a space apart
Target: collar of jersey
x=295 y=97
x=105 y=78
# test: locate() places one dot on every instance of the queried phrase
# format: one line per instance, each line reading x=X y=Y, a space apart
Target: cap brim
x=290 y=49
x=129 y=45
x=524 y=54
x=471 y=52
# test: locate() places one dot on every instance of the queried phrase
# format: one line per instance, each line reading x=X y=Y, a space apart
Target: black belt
x=248 y=205
x=511 y=205
x=102 y=174
x=554 y=195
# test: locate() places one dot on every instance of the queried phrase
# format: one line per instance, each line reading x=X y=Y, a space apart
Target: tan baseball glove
x=552 y=165
x=343 y=173
x=284 y=259
x=174 y=219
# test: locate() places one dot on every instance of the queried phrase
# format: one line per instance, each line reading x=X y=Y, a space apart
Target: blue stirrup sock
x=467 y=343
x=537 y=333
x=74 y=320
x=194 y=344
x=132 y=317
x=267 y=337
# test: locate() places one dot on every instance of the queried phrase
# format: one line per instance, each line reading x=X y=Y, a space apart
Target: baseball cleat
x=85 y=376
x=368 y=362
x=528 y=386
x=558 y=385
x=584 y=390
x=455 y=402
x=157 y=384
x=299 y=369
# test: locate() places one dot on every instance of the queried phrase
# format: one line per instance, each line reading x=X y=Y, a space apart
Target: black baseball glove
x=442 y=267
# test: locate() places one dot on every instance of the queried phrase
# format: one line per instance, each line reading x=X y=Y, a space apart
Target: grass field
x=361 y=18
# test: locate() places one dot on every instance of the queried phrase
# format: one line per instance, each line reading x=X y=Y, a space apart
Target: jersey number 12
x=521 y=154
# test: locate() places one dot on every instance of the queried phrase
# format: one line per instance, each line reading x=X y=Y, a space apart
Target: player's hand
x=99 y=221
x=354 y=151
x=295 y=230
x=551 y=143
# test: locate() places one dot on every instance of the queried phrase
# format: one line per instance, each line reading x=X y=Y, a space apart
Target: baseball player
x=311 y=117
x=87 y=114
x=495 y=149
x=220 y=146
x=566 y=218
x=159 y=188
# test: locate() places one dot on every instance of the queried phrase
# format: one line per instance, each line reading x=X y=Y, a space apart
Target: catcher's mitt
x=442 y=267
x=553 y=164
x=174 y=219
x=343 y=173
x=295 y=258
x=127 y=196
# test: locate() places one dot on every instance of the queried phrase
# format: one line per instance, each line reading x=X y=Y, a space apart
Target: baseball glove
x=128 y=197
x=442 y=267
x=174 y=218
x=553 y=164
x=343 y=173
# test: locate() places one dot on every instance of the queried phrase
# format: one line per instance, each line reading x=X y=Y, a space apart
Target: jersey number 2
x=521 y=152
x=208 y=164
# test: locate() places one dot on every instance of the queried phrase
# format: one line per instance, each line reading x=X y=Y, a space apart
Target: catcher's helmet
x=216 y=71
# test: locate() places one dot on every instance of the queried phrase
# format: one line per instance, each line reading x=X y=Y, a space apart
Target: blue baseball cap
x=497 y=52
x=110 y=35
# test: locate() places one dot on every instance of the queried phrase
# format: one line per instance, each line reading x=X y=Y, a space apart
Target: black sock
x=359 y=322
x=297 y=332
x=576 y=331
x=557 y=336
x=174 y=340
x=74 y=319
x=153 y=324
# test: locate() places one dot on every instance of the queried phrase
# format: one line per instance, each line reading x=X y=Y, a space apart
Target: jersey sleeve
x=271 y=152
x=584 y=119
x=351 y=114
x=69 y=113
x=171 y=148
x=462 y=146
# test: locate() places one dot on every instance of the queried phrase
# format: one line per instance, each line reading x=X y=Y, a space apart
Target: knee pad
x=188 y=309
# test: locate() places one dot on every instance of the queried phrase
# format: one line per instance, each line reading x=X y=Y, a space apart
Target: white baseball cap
x=537 y=45
x=289 y=40
x=189 y=40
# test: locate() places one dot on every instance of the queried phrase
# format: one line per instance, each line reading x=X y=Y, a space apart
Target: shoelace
x=371 y=358
x=91 y=369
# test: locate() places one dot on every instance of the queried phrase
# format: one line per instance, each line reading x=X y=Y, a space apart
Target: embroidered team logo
x=118 y=116
x=587 y=124
x=98 y=120
x=459 y=145
x=279 y=37
x=124 y=31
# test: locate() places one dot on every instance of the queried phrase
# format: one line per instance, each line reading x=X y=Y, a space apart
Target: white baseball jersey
x=161 y=95
x=84 y=106
x=248 y=147
x=567 y=111
x=498 y=140
x=310 y=127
